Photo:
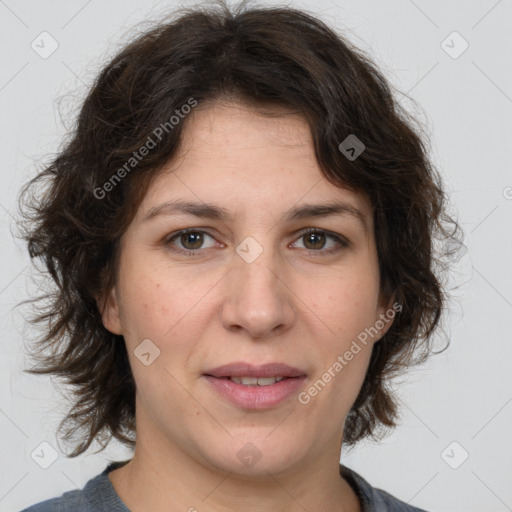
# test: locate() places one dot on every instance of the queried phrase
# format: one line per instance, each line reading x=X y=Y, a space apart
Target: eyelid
x=338 y=237
x=168 y=239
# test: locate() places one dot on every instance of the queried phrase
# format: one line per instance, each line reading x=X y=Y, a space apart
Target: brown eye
x=192 y=240
x=317 y=241
x=188 y=241
x=314 y=240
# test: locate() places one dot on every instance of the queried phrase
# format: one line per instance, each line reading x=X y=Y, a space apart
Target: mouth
x=246 y=371
x=255 y=387
x=254 y=381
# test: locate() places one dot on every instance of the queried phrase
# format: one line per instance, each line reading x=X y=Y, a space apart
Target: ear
x=109 y=310
x=386 y=315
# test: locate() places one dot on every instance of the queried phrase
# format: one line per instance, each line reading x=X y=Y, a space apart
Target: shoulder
x=71 y=500
x=98 y=495
x=373 y=499
x=383 y=498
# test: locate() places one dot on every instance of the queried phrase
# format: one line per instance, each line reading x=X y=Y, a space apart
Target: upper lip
x=242 y=369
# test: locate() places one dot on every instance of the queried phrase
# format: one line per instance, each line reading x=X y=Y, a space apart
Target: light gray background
x=462 y=395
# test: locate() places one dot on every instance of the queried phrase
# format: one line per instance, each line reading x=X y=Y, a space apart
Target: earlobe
x=109 y=310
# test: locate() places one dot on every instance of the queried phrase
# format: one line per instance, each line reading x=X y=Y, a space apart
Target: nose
x=258 y=299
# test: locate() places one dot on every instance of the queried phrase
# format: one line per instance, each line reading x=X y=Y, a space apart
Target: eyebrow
x=214 y=212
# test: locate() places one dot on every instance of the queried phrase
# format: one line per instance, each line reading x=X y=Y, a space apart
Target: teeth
x=256 y=381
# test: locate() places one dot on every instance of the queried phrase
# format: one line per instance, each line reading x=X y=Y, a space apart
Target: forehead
x=245 y=161
x=222 y=129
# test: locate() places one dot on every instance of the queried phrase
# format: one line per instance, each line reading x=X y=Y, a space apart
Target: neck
x=170 y=480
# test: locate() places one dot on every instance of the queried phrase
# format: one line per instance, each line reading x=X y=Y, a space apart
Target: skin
x=295 y=304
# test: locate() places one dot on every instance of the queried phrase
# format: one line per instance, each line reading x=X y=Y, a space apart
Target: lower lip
x=256 y=397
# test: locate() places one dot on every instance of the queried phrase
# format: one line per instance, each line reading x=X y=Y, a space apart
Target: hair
x=266 y=58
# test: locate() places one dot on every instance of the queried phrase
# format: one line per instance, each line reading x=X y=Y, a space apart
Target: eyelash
x=343 y=243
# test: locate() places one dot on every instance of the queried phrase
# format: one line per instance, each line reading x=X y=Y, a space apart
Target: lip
x=256 y=397
x=243 y=369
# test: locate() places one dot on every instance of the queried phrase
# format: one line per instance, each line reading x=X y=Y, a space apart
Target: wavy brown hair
x=259 y=56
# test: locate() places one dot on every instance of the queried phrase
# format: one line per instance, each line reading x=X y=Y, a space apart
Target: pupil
x=198 y=240
x=311 y=236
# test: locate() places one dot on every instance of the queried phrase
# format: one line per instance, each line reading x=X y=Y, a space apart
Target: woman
x=241 y=229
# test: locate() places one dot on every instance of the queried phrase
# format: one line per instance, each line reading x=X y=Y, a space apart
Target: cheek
x=169 y=312
x=343 y=306
x=154 y=311
x=154 y=302
x=345 y=303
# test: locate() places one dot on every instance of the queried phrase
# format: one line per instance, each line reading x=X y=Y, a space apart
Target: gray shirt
x=99 y=495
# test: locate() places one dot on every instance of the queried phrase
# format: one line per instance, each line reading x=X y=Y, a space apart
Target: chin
x=255 y=455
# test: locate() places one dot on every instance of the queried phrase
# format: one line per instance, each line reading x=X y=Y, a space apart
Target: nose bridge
x=257 y=299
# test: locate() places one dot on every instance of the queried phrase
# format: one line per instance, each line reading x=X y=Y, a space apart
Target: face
x=247 y=284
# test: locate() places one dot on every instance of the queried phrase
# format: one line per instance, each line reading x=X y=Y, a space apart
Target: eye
x=315 y=240
x=190 y=239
